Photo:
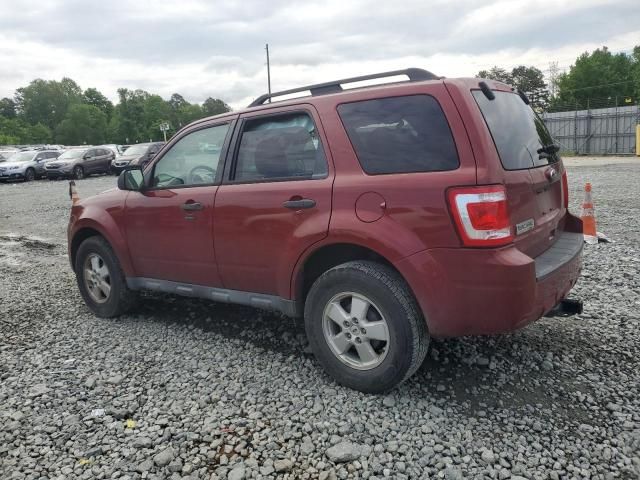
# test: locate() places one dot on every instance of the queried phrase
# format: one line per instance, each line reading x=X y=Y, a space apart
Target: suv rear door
x=276 y=198
x=531 y=168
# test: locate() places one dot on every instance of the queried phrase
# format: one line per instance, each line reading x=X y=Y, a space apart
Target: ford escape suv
x=384 y=215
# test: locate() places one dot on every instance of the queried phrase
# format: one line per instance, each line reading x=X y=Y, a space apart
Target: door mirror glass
x=131 y=179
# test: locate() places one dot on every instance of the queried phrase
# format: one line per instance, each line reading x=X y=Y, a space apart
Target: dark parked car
x=81 y=162
x=26 y=165
x=136 y=155
x=384 y=215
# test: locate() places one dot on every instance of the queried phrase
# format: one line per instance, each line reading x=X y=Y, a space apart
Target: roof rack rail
x=414 y=74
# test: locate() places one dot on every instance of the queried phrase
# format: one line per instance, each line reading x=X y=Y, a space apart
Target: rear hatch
x=532 y=170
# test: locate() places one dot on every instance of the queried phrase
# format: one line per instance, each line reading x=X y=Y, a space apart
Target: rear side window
x=520 y=136
x=400 y=135
x=282 y=147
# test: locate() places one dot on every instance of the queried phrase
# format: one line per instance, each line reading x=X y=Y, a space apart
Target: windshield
x=71 y=154
x=21 y=157
x=136 y=150
x=520 y=136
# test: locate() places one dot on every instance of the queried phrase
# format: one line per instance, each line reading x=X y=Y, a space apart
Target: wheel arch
x=327 y=256
x=86 y=228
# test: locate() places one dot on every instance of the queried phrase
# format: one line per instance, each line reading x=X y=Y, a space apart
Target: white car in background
x=26 y=165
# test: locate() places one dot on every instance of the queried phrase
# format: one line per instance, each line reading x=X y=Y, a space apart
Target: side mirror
x=131 y=179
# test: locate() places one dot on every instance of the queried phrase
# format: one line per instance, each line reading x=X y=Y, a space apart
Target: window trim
x=163 y=149
x=402 y=95
x=230 y=170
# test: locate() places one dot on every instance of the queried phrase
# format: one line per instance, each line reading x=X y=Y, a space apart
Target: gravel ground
x=184 y=388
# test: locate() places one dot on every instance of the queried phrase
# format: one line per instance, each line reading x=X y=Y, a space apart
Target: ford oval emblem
x=551 y=173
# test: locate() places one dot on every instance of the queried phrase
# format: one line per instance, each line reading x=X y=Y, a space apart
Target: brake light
x=481 y=215
x=565 y=190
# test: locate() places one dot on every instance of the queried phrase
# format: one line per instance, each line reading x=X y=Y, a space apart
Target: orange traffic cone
x=73 y=193
x=588 y=217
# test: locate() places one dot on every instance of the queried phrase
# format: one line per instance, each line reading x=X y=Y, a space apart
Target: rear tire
x=78 y=172
x=29 y=175
x=365 y=327
x=101 y=280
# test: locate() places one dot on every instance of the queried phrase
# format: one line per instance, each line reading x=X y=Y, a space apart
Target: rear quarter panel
x=415 y=212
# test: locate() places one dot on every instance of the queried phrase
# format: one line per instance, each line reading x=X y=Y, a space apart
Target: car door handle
x=191 y=206
x=298 y=204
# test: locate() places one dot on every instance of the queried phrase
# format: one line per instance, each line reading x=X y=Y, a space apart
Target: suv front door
x=169 y=224
x=275 y=201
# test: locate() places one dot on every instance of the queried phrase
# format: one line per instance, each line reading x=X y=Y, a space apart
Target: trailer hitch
x=566 y=308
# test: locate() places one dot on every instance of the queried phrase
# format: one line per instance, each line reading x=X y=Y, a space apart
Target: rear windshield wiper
x=549 y=149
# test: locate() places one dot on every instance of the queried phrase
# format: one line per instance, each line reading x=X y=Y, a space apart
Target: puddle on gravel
x=15 y=250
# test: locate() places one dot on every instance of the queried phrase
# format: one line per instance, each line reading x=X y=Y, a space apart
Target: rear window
x=520 y=136
x=400 y=135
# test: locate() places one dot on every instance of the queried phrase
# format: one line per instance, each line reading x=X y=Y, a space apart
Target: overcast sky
x=203 y=48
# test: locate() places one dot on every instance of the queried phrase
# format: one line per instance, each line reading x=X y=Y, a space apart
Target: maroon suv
x=385 y=215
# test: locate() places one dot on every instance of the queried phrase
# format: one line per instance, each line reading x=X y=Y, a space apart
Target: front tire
x=101 y=280
x=29 y=175
x=365 y=327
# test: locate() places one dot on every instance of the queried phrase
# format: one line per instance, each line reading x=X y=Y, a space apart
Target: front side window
x=283 y=147
x=192 y=160
x=400 y=135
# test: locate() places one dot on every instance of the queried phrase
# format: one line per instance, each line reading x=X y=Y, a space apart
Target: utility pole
x=268 y=72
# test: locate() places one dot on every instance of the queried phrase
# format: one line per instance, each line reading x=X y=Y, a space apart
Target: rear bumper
x=488 y=291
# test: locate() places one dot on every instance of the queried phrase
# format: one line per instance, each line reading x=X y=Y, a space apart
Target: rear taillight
x=481 y=215
x=565 y=190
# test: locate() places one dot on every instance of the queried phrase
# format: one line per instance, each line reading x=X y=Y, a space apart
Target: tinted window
x=518 y=133
x=192 y=160
x=400 y=135
x=280 y=147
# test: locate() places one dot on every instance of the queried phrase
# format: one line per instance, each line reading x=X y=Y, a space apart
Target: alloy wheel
x=97 y=278
x=355 y=330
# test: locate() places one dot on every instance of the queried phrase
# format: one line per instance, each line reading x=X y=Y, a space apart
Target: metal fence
x=602 y=131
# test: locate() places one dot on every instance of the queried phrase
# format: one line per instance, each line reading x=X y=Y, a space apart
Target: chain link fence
x=597 y=127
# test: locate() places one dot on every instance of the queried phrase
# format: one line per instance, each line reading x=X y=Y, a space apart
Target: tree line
x=50 y=111
x=598 y=78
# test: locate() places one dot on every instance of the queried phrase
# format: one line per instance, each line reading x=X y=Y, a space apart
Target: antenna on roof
x=268 y=72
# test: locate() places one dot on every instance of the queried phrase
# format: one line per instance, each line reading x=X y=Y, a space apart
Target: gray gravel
x=183 y=388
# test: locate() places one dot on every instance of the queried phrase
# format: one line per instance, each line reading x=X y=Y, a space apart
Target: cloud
x=200 y=48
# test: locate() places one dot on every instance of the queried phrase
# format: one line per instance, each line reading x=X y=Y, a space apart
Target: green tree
x=15 y=131
x=47 y=101
x=599 y=76
x=214 y=106
x=177 y=103
x=38 y=133
x=83 y=124
x=92 y=96
x=530 y=80
x=156 y=111
x=128 y=125
x=7 y=108
x=496 y=73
